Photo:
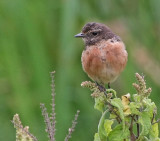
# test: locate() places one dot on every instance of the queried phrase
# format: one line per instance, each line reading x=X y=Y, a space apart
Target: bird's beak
x=80 y=35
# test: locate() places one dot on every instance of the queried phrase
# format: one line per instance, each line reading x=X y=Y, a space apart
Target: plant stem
x=156 y=121
x=132 y=136
x=154 y=114
x=112 y=110
x=138 y=129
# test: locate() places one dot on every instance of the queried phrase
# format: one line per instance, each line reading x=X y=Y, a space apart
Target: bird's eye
x=94 y=33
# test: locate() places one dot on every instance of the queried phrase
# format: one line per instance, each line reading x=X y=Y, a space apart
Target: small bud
x=109 y=95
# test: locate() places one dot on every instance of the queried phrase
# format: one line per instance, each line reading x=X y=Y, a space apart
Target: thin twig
x=118 y=117
x=154 y=115
x=53 y=114
x=156 y=121
x=70 y=130
x=112 y=110
x=47 y=122
x=131 y=125
x=153 y=118
x=138 y=126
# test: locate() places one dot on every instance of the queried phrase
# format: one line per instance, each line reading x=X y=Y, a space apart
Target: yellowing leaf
x=99 y=103
x=154 y=131
x=107 y=126
x=96 y=137
x=125 y=102
x=126 y=99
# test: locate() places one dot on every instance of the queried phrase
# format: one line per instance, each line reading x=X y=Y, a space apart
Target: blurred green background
x=37 y=37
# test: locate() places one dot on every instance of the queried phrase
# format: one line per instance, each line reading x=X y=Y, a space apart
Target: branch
x=132 y=136
x=156 y=121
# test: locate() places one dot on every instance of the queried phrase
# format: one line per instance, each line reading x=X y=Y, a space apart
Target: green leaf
x=116 y=102
x=157 y=139
x=145 y=121
x=150 y=107
x=99 y=103
x=143 y=138
x=96 y=137
x=137 y=98
x=112 y=116
x=154 y=132
x=134 y=107
x=112 y=91
x=101 y=129
x=117 y=134
x=107 y=126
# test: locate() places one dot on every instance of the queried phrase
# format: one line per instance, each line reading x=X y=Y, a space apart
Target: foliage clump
x=124 y=119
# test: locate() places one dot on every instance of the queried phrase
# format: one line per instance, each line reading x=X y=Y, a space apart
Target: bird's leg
x=101 y=88
x=109 y=86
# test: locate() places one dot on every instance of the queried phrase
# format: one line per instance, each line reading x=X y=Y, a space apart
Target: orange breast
x=103 y=63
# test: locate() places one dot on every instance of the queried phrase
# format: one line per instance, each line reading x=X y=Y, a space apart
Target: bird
x=104 y=56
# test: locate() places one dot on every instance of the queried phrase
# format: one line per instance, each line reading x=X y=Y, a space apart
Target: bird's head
x=93 y=33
